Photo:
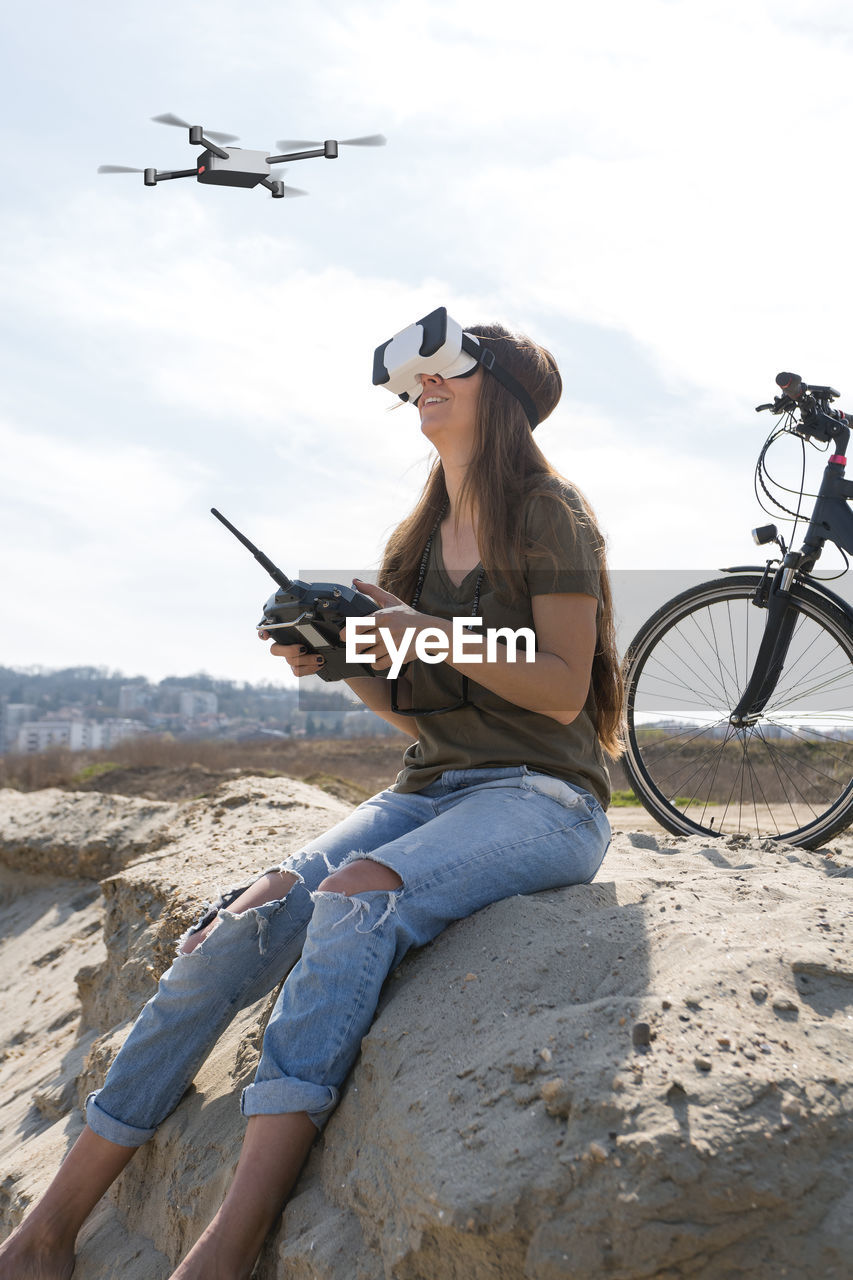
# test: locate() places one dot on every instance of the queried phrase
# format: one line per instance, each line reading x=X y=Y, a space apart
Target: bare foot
x=211 y=1259
x=28 y=1255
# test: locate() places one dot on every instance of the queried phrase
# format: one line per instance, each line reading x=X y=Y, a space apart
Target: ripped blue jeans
x=470 y=838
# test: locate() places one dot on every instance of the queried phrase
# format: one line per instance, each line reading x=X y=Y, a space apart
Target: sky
x=656 y=190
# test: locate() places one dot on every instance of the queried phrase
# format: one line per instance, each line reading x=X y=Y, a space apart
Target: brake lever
x=781 y=404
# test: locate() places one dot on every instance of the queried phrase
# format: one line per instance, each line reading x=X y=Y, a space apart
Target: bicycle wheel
x=788 y=776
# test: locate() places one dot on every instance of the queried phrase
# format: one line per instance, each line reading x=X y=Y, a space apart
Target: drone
x=234 y=167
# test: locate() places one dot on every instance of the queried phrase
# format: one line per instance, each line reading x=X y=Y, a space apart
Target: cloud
x=655 y=190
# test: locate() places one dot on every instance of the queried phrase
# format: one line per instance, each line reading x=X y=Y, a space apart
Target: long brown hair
x=505 y=471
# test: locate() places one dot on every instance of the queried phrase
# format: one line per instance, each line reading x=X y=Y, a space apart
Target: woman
x=502 y=792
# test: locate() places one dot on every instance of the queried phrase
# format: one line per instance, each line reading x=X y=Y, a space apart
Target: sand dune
x=649 y=1076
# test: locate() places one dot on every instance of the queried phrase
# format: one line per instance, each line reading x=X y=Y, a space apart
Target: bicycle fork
x=773 y=649
x=831 y=519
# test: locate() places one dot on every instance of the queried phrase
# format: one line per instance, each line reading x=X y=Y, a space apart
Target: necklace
x=475 y=605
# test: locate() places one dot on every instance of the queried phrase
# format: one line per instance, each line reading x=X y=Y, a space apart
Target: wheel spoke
x=692 y=781
x=763 y=798
x=780 y=779
x=792 y=673
x=843 y=760
x=829 y=681
x=699 y=688
x=713 y=765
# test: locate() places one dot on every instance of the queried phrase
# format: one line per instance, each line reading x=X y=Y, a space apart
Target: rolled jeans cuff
x=277 y=1097
x=106 y=1126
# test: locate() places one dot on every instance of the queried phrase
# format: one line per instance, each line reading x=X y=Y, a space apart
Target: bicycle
x=739 y=691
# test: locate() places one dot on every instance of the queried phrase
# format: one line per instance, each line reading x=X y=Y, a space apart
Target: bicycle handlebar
x=817 y=417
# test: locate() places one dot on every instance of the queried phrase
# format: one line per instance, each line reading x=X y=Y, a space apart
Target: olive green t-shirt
x=491 y=732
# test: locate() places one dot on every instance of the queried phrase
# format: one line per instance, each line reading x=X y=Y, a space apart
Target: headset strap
x=486 y=357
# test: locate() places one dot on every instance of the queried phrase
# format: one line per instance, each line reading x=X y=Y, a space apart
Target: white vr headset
x=437 y=344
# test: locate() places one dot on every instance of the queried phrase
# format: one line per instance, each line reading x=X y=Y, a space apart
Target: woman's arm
x=555 y=683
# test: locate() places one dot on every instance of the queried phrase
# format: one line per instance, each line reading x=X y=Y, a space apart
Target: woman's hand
x=301 y=662
x=398 y=620
x=400 y=623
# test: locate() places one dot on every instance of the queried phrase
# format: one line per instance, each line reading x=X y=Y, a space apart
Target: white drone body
x=233 y=167
x=240 y=168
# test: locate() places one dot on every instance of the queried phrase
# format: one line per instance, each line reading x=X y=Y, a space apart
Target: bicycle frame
x=831 y=521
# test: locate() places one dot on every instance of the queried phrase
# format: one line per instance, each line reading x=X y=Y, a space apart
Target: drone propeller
x=170 y=118
x=297 y=144
x=117 y=168
x=371 y=140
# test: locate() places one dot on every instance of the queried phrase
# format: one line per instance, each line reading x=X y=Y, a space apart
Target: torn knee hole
x=254 y=918
x=362 y=875
x=193 y=938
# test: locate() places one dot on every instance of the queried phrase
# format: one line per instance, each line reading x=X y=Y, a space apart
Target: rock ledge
x=649 y=1076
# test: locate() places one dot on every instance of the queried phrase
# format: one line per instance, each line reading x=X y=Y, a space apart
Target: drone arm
x=175 y=173
x=329 y=150
x=197 y=139
x=217 y=151
x=276 y=186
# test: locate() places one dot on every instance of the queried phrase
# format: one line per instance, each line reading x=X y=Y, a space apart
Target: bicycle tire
x=788 y=776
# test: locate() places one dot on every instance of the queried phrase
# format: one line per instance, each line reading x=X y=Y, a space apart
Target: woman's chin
x=435 y=418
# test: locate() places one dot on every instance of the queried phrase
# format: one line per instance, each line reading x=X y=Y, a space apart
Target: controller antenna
x=276 y=574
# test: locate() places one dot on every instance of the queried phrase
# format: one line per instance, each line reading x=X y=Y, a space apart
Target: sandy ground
x=682 y=1025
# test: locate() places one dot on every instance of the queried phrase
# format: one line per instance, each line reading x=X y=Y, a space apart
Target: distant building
x=39 y=735
x=13 y=715
x=195 y=705
x=76 y=735
x=133 y=697
x=113 y=731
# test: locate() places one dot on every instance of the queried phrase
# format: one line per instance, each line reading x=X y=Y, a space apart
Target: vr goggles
x=437 y=344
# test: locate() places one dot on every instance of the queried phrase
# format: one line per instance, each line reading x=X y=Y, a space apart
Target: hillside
x=646 y=1077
